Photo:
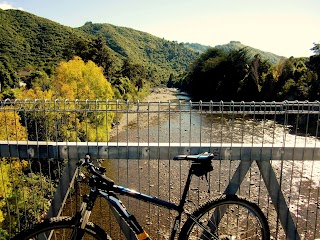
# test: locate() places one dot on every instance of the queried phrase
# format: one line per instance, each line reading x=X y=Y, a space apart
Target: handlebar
x=96 y=171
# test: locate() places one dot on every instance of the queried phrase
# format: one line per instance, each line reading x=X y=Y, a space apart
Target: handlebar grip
x=185 y=157
x=202 y=156
x=180 y=157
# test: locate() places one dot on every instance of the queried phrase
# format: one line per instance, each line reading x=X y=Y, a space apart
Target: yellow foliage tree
x=21 y=192
x=11 y=128
x=9 y=173
x=33 y=93
x=76 y=79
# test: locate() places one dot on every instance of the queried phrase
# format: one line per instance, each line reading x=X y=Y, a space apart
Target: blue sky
x=284 y=27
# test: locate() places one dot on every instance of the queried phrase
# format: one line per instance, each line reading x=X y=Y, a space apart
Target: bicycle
x=228 y=217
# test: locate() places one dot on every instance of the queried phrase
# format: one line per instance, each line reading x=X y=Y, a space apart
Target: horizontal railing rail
x=137 y=150
x=285 y=107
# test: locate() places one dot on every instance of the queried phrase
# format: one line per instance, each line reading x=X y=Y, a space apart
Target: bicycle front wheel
x=229 y=217
x=61 y=228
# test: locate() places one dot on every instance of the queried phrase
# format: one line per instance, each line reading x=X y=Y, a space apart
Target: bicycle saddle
x=201 y=163
x=195 y=158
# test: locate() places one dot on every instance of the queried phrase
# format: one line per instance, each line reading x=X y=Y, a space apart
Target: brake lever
x=80 y=175
x=81 y=162
x=102 y=170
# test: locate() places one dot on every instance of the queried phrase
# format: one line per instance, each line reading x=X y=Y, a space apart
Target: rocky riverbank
x=158 y=95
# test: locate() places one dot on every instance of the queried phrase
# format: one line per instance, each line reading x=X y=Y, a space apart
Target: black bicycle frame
x=130 y=220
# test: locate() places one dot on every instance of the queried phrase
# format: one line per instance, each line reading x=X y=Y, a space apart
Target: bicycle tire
x=246 y=221
x=59 y=227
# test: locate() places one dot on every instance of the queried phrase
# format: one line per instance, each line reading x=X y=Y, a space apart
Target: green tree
x=205 y=75
x=296 y=80
x=219 y=75
x=260 y=83
x=8 y=77
x=135 y=72
x=316 y=48
x=97 y=51
x=314 y=65
x=38 y=79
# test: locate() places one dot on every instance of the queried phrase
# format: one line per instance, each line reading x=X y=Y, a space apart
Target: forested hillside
x=161 y=57
x=31 y=42
x=26 y=39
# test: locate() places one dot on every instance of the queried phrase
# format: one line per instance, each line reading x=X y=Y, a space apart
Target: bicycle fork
x=127 y=222
x=82 y=218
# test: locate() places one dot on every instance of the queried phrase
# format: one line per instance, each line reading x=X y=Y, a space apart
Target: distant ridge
x=236 y=45
x=197 y=47
x=271 y=57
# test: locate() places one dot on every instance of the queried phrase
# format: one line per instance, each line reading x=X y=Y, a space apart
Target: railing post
x=279 y=202
x=63 y=189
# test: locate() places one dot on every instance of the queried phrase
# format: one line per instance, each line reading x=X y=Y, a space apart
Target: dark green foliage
x=4 y=235
x=96 y=50
x=218 y=75
x=314 y=65
x=233 y=75
x=135 y=72
x=37 y=126
x=296 y=80
x=316 y=48
x=8 y=77
x=234 y=45
x=31 y=40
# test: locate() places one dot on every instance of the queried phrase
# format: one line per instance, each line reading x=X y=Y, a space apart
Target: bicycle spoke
x=228 y=221
x=205 y=231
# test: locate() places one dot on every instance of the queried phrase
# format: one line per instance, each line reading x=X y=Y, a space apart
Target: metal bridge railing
x=267 y=152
